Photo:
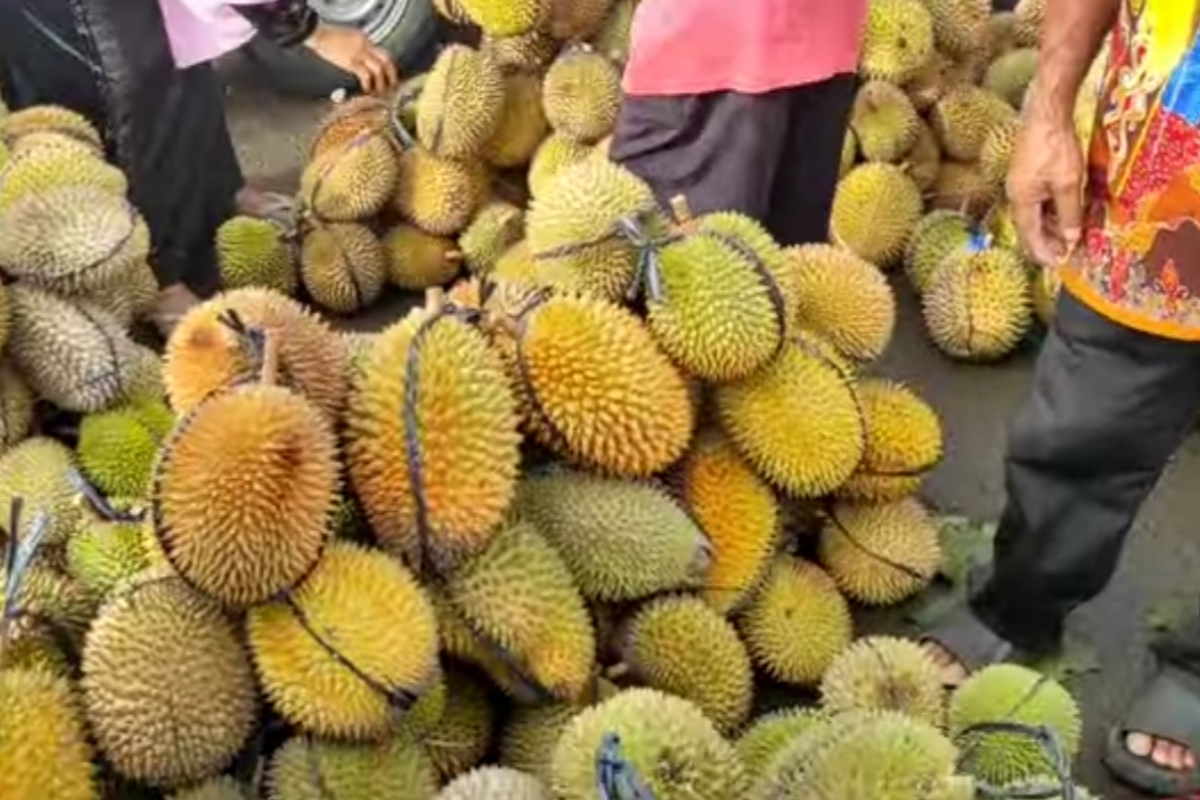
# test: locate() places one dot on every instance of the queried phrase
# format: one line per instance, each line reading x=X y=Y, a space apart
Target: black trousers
x=773 y=156
x=1108 y=408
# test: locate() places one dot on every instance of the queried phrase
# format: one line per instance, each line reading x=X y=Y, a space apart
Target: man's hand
x=352 y=51
x=1045 y=186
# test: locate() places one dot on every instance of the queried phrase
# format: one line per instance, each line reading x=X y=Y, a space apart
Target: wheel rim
x=375 y=18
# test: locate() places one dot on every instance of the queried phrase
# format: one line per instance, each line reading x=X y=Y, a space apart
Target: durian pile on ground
x=928 y=147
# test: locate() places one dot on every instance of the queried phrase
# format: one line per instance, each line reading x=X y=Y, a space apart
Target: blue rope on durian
x=616 y=777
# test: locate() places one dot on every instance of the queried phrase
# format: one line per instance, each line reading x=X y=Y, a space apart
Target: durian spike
x=269 y=374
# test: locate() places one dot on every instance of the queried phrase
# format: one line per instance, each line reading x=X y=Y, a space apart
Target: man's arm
x=285 y=22
x=1072 y=33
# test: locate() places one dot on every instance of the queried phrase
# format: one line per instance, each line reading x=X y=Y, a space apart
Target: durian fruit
x=884 y=121
x=797 y=421
x=924 y=160
x=849 y=154
x=347 y=120
x=675 y=751
x=353 y=180
x=555 y=154
x=882 y=673
x=42 y=118
x=1002 y=33
x=44 y=749
x=38 y=472
x=34 y=645
x=904 y=442
x=843 y=298
x=462 y=101
x=880 y=554
x=223 y=787
x=439 y=195
x=875 y=208
x=999 y=225
x=16 y=407
x=465 y=442
x=599 y=389
x=4 y=322
x=103 y=554
x=459 y=741
x=256 y=252
x=515 y=264
x=978 y=304
x=622 y=541
x=528 y=52
x=76 y=356
x=72 y=239
x=1030 y=14
x=963 y=187
x=1044 y=291
x=1009 y=693
x=739 y=514
x=170 y=691
x=769 y=735
x=350 y=684
x=960 y=27
x=1011 y=73
x=126 y=300
x=522 y=126
x=518 y=596
x=721 y=313
x=898 y=40
x=283 y=469
x=528 y=739
x=997 y=153
x=682 y=646
x=52 y=597
x=577 y=20
x=29 y=174
x=796 y=595
x=581 y=95
x=305 y=768
x=613 y=38
x=452 y=11
x=495 y=783
x=343 y=266
x=117 y=449
x=204 y=354
x=964 y=117
x=931 y=82
x=574 y=228
x=497 y=227
x=939 y=234
x=868 y=755
x=509 y=18
x=417 y=260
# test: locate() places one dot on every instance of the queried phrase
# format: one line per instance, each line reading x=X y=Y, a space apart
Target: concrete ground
x=1157 y=579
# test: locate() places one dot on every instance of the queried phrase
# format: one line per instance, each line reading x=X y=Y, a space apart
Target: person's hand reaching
x=352 y=51
x=1045 y=185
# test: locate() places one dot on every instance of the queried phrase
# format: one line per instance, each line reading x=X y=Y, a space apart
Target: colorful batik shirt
x=1140 y=263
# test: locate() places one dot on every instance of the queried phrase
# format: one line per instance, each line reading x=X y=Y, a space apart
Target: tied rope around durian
x=100 y=504
x=910 y=571
x=616 y=777
x=439 y=309
x=621 y=229
x=647 y=277
x=848 y=379
x=18 y=556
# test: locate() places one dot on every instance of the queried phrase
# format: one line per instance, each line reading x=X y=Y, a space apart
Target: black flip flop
x=973 y=644
x=1167 y=709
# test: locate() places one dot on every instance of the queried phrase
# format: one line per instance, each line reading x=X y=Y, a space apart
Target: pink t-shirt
x=748 y=46
x=204 y=30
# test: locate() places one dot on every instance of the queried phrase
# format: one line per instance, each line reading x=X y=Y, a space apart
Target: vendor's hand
x=1045 y=186
x=352 y=51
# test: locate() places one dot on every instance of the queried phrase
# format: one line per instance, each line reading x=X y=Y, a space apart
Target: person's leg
x=1108 y=407
x=802 y=196
x=719 y=151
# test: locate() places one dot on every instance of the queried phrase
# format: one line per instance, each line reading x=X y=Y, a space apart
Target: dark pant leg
x=802 y=197
x=718 y=150
x=1108 y=407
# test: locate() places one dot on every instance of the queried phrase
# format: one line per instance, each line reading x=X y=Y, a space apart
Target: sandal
x=273 y=206
x=1167 y=711
x=963 y=637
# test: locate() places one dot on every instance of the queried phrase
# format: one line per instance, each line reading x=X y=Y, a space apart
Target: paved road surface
x=1159 y=573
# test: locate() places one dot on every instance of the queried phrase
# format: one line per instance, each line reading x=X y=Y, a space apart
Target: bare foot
x=173 y=302
x=953 y=671
x=1163 y=752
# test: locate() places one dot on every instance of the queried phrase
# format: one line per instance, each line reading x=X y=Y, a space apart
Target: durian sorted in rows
x=796 y=594
x=386 y=644
x=880 y=554
x=498 y=226
x=417 y=260
x=44 y=749
x=522 y=126
x=307 y=768
x=843 y=298
x=253 y=251
x=353 y=180
x=457 y=457
x=884 y=122
x=978 y=304
x=898 y=40
x=462 y=101
x=622 y=541
x=439 y=195
x=581 y=95
x=648 y=729
x=882 y=673
x=495 y=783
x=904 y=442
x=875 y=209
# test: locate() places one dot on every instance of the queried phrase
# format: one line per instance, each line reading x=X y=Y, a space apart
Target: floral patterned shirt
x=1140 y=262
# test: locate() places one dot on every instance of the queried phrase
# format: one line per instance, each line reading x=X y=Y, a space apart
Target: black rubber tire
x=412 y=43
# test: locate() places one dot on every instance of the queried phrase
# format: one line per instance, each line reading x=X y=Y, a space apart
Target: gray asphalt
x=1157 y=581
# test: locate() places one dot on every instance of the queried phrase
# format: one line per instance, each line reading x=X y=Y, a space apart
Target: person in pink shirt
x=742 y=106
x=141 y=72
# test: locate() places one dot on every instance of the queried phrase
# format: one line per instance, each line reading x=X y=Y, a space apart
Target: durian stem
x=616 y=671
x=435 y=300
x=269 y=374
x=454 y=257
x=681 y=210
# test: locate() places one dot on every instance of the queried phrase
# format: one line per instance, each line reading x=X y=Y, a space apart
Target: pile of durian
x=929 y=143
x=544 y=538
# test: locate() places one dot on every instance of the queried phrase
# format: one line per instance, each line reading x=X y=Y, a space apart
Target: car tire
x=412 y=39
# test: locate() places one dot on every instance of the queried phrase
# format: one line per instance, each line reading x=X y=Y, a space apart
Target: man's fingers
x=1030 y=222
x=391 y=74
x=1068 y=208
x=366 y=78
